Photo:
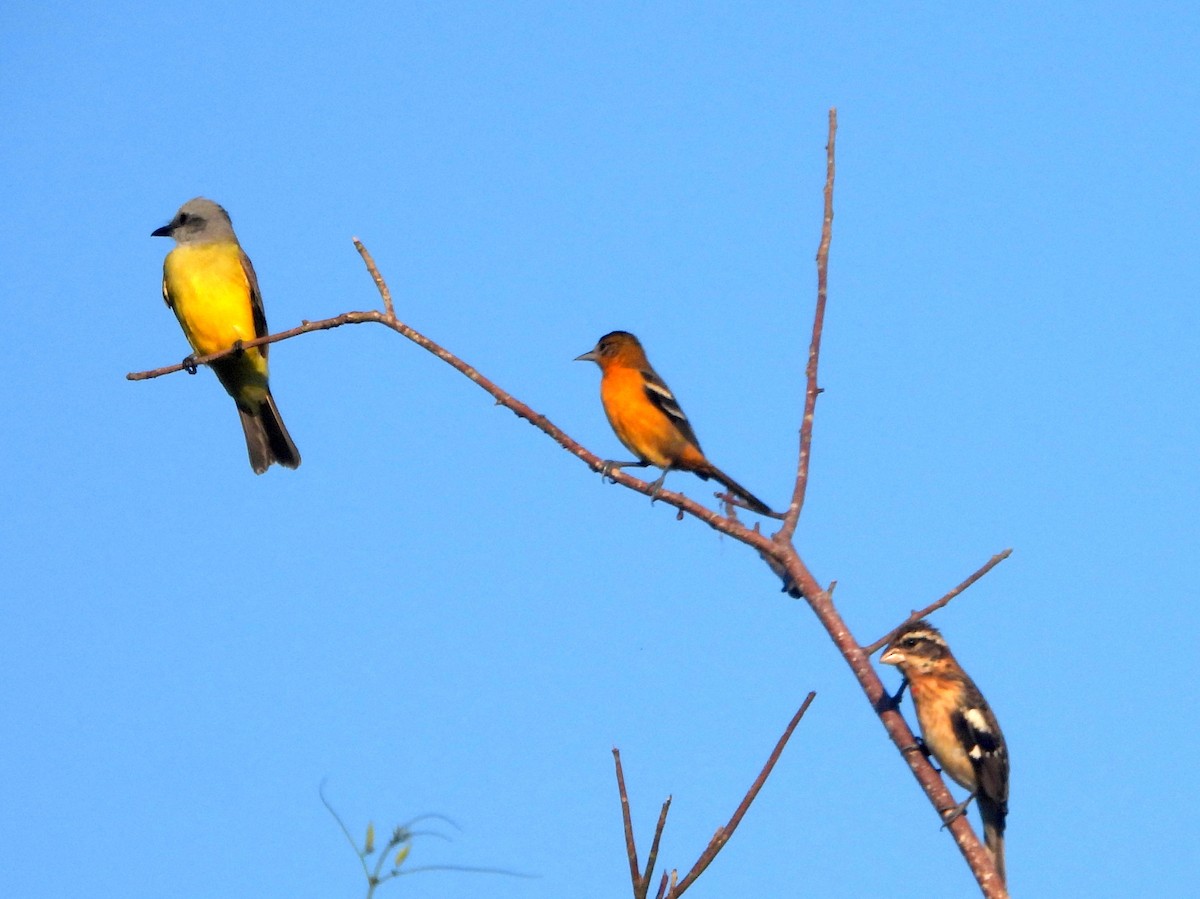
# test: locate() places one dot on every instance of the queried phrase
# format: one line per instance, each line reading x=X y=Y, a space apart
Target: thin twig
x=306 y=327
x=722 y=836
x=652 y=858
x=799 y=581
x=635 y=873
x=465 y=869
x=388 y=309
x=362 y=858
x=662 y=885
x=812 y=389
x=944 y=601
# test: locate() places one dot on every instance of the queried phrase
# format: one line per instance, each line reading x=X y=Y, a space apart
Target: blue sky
x=442 y=612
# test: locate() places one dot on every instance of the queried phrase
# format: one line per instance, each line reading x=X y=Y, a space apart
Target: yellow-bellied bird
x=211 y=287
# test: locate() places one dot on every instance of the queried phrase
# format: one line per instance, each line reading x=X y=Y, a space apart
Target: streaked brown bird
x=957 y=725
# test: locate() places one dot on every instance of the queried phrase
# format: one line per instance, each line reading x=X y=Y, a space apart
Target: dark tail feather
x=734 y=487
x=267 y=440
x=993 y=831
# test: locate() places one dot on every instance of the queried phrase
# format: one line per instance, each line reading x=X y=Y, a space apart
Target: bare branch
x=635 y=873
x=721 y=837
x=814 y=348
x=714 y=519
x=944 y=601
x=306 y=327
x=977 y=857
x=388 y=309
x=641 y=879
x=778 y=551
x=662 y=885
x=652 y=858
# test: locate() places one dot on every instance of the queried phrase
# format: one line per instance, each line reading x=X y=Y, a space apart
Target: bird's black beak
x=164 y=231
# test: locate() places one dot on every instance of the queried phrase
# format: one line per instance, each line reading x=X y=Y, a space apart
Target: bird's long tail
x=711 y=471
x=993 y=815
x=267 y=440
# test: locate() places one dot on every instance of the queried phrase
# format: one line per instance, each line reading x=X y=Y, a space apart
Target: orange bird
x=647 y=419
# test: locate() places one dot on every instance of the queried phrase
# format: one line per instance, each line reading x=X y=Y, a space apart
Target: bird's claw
x=656 y=489
x=189 y=364
x=950 y=815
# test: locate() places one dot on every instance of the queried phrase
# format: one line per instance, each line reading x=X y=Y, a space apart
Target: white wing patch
x=977 y=720
x=668 y=398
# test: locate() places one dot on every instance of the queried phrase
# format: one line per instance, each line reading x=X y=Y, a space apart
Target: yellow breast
x=210 y=293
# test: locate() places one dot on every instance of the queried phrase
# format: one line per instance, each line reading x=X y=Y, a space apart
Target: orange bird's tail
x=711 y=471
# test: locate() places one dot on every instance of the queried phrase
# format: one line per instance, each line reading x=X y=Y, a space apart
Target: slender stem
x=635 y=873
x=934 y=606
x=652 y=858
x=388 y=309
x=306 y=327
x=722 y=836
x=662 y=885
x=812 y=389
x=362 y=858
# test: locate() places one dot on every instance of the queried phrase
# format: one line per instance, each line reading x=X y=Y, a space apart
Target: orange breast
x=641 y=426
x=935 y=700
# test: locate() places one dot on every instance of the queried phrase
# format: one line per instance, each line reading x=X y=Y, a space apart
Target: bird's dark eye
x=183 y=218
x=911 y=643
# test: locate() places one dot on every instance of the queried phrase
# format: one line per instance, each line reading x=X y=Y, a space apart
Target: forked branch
x=670 y=887
x=778 y=551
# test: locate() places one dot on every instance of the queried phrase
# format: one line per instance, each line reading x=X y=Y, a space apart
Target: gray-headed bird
x=211 y=287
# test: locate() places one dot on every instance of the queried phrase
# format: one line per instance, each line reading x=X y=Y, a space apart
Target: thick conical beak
x=164 y=231
x=892 y=657
x=589 y=356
